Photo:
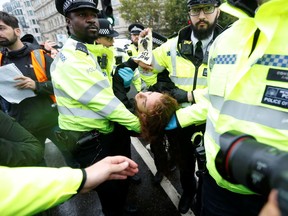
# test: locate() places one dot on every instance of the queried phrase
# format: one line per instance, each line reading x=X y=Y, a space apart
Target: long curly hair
x=153 y=122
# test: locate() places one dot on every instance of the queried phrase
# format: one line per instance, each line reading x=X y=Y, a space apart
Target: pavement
x=151 y=200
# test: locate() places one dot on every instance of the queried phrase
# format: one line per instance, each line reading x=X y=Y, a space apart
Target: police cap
x=135 y=28
x=106 y=29
x=65 y=6
x=191 y=3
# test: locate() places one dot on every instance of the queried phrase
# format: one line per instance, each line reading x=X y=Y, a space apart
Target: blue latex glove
x=172 y=124
x=126 y=74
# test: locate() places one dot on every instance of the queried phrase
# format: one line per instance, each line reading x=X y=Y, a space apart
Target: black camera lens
x=260 y=167
x=243 y=160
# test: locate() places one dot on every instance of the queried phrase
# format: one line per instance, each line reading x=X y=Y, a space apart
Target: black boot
x=185 y=203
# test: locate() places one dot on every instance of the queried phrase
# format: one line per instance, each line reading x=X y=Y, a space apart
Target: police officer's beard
x=6 y=42
x=202 y=34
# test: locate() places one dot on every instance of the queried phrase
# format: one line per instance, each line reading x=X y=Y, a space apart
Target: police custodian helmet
x=65 y=6
x=106 y=29
x=191 y=3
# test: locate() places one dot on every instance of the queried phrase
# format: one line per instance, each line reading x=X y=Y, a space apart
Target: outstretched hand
x=115 y=167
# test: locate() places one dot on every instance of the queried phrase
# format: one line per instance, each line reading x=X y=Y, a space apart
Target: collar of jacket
x=24 y=51
x=79 y=40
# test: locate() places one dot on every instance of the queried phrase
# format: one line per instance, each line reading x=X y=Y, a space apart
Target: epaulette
x=82 y=47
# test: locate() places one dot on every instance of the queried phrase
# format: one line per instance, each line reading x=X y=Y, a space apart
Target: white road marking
x=166 y=184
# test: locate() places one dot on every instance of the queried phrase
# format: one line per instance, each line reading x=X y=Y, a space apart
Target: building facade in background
x=24 y=11
x=41 y=19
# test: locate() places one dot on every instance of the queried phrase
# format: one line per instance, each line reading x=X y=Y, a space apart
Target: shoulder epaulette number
x=82 y=47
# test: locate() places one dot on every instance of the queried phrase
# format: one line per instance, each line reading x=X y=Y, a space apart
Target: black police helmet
x=135 y=28
x=191 y=3
x=65 y=6
x=106 y=29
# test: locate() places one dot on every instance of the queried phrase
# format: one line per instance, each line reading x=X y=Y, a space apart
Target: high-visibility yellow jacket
x=105 y=58
x=247 y=88
x=184 y=70
x=39 y=188
x=85 y=98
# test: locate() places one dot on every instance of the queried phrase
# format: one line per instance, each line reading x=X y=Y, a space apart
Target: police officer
x=185 y=57
x=92 y=119
x=106 y=33
x=134 y=30
x=245 y=93
x=106 y=38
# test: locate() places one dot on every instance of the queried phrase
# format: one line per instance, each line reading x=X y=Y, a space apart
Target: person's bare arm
x=116 y=167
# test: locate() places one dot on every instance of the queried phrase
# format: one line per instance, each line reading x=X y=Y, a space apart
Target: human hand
x=180 y=95
x=271 y=208
x=48 y=45
x=172 y=124
x=25 y=83
x=145 y=32
x=144 y=66
x=115 y=167
x=127 y=75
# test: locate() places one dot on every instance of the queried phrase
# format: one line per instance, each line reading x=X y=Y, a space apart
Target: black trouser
x=112 y=194
x=186 y=158
x=217 y=201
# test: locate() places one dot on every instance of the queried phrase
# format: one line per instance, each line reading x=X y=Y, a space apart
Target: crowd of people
x=203 y=82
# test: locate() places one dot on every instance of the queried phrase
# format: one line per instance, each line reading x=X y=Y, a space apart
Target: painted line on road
x=166 y=184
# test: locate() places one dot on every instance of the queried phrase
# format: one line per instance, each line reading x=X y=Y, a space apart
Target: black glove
x=179 y=94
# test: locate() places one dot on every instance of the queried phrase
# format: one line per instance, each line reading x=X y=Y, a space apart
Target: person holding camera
x=247 y=92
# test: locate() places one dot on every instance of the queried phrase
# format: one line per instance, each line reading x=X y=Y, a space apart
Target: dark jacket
x=17 y=146
x=34 y=113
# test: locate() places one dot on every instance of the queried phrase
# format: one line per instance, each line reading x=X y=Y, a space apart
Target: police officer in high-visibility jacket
x=92 y=119
x=247 y=92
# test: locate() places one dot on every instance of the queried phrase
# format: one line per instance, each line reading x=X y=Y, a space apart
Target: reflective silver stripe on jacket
x=60 y=93
x=39 y=59
x=211 y=131
x=101 y=114
x=185 y=81
x=262 y=115
x=257 y=114
x=173 y=54
x=93 y=91
x=137 y=76
x=79 y=113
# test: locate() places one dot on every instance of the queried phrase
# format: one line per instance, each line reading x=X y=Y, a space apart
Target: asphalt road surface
x=150 y=199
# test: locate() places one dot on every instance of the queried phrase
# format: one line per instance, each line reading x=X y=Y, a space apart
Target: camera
x=260 y=167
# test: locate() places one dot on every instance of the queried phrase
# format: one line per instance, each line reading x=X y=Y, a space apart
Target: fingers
x=145 y=32
x=25 y=83
x=271 y=207
x=121 y=159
